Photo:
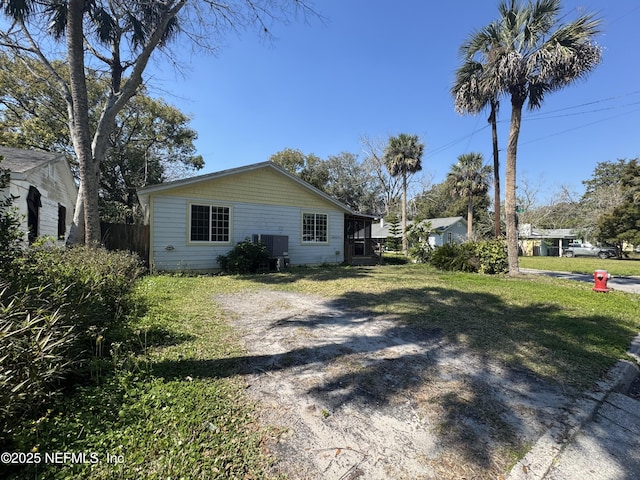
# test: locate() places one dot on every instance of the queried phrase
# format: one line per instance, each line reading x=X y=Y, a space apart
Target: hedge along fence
x=56 y=307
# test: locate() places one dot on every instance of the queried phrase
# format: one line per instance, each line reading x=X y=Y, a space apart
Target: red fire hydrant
x=600 y=278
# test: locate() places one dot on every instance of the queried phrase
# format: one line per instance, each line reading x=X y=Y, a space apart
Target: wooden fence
x=133 y=238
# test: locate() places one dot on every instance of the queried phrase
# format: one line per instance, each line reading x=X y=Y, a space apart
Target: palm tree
x=473 y=92
x=527 y=54
x=469 y=178
x=403 y=156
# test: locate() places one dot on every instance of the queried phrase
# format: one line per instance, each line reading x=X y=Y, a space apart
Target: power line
x=549 y=117
x=546 y=116
x=578 y=127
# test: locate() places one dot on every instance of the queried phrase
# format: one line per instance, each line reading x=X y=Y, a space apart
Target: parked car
x=587 y=250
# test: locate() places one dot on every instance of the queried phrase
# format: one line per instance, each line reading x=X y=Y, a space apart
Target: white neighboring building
x=443 y=230
x=45 y=189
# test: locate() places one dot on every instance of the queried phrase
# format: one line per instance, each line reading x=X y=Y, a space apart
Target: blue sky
x=379 y=68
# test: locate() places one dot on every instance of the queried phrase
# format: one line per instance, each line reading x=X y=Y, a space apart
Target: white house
x=442 y=230
x=45 y=189
x=447 y=230
x=193 y=221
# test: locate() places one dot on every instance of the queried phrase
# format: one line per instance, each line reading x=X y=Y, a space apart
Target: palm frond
x=404 y=154
x=57 y=13
x=18 y=9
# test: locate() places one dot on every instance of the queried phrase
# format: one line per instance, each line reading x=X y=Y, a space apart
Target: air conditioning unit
x=277 y=245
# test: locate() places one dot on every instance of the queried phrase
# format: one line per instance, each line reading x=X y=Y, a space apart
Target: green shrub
x=245 y=257
x=455 y=257
x=492 y=256
x=489 y=256
x=91 y=284
x=10 y=234
x=59 y=309
x=36 y=342
x=421 y=252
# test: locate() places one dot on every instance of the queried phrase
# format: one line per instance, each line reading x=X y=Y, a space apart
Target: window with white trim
x=314 y=227
x=210 y=223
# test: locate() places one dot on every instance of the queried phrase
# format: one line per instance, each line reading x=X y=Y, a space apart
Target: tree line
x=526 y=53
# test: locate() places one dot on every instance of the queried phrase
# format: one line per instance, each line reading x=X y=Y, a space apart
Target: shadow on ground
x=469 y=361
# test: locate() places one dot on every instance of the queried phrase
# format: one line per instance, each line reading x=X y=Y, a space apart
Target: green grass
x=175 y=407
x=624 y=267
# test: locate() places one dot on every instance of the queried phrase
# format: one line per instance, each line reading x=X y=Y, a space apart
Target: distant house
x=443 y=230
x=193 y=221
x=45 y=189
x=535 y=242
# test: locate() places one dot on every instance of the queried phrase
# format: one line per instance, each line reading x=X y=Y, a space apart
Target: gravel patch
x=349 y=394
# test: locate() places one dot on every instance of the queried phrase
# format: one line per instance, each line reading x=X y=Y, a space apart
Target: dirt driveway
x=354 y=395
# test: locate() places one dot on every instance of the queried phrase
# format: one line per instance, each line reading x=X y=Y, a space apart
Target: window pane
x=220 y=224
x=308 y=227
x=314 y=227
x=199 y=223
x=321 y=228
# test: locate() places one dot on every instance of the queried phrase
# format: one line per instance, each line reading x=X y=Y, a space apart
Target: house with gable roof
x=44 y=189
x=442 y=230
x=193 y=221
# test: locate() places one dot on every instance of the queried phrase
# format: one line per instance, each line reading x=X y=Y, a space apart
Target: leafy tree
x=309 y=168
x=32 y=114
x=350 y=183
x=622 y=223
x=468 y=179
x=403 y=157
x=121 y=36
x=437 y=201
x=340 y=176
x=527 y=54
x=290 y=159
x=151 y=141
x=603 y=192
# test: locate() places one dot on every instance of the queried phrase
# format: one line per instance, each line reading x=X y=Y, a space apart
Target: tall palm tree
x=403 y=156
x=469 y=178
x=473 y=92
x=527 y=54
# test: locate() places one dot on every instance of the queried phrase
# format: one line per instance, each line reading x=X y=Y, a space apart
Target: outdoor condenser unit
x=278 y=248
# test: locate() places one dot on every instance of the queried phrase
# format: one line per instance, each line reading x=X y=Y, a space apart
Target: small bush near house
x=245 y=257
x=488 y=256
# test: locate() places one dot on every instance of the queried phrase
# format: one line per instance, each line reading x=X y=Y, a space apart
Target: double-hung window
x=314 y=227
x=210 y=223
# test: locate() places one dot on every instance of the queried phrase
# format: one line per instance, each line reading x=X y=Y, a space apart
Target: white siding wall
x=170 y=229
x=459 y=232
x=56 y=186
x=458 y=235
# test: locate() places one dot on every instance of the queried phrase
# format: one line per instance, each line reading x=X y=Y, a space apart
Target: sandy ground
x=352 y=395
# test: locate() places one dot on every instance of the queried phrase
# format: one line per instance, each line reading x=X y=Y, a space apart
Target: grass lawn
x=160 y=418
x=625 y=267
